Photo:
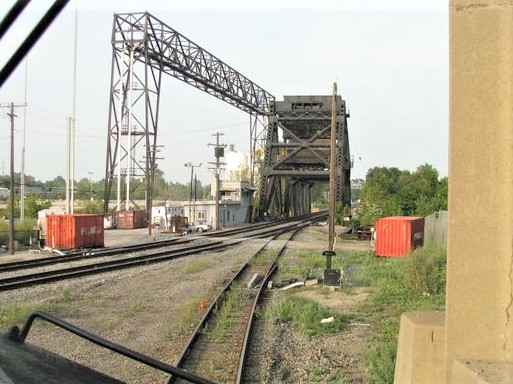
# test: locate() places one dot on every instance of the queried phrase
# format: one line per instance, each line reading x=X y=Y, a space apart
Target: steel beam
x=297 y=154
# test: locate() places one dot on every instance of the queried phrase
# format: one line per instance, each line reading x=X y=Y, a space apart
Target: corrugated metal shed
x=398 y=235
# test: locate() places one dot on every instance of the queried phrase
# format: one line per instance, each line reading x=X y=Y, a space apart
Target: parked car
x=199 y=226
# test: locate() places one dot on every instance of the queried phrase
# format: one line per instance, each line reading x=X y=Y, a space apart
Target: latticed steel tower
x=144 y=48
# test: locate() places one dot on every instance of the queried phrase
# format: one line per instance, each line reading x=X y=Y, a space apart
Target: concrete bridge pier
x=473 y=342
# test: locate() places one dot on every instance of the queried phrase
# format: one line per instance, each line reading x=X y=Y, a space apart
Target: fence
x=435 y=230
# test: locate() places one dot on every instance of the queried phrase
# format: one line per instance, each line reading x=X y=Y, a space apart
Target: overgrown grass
x=397 y=285
x=134 y=308
x=195 y=267
x=416 y=282
x=231 y=306
x=306 y=315
x=186 y=319
x=16 y=314
x=305 y=263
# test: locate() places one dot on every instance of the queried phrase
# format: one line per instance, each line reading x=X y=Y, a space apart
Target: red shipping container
x=398 y=235
x=131 y=219
x=74 y=231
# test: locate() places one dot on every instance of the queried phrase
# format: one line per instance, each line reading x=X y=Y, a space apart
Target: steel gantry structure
x=294 y=134
x=144 y=48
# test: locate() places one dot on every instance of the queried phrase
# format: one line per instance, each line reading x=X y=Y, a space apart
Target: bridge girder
x=297 y=154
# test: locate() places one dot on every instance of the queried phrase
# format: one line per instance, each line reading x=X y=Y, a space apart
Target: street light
x=192 y=166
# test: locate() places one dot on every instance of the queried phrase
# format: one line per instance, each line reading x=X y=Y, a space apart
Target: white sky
x=388 y=57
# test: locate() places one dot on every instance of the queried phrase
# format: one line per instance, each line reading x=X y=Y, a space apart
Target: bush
x=24 y=231
x=415 y=282
x=424 y=271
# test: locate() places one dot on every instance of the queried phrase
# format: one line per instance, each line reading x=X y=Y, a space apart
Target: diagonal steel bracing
x=297 y=154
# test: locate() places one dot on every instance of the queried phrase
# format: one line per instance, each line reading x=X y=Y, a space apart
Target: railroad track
x=217 y=349
x=37 y=278
x=155 y=255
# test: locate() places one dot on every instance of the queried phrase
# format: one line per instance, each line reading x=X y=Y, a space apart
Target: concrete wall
x=479 y=307
x=479 y=299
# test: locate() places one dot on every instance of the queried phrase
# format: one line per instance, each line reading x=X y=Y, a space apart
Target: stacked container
x=74 y=231
x=131 y=219
x=398 y=235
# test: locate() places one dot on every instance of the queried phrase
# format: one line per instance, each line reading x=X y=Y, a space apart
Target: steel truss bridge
x=294 y=135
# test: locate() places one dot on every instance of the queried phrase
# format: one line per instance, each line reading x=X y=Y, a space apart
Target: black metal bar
x=31 y=39
x=12 y=15
x=21 y=336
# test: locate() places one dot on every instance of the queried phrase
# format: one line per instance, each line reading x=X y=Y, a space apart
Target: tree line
x=39 y=194
x=394 y=192
x=387 y=191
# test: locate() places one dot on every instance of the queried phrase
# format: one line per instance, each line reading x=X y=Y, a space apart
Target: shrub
x=424 y=271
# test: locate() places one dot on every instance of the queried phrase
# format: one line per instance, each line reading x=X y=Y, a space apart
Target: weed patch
x=231 y=306
x=195 y=266
x=16 y=314
x=306 y=315
x=416 y=282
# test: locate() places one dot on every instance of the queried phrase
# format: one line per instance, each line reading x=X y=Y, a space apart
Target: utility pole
x=218 y=153
x=192 y=217
x=22 y=190
x=11 y=114
x=332 y=276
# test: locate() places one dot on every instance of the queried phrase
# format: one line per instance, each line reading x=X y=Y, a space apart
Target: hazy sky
x=388 y=57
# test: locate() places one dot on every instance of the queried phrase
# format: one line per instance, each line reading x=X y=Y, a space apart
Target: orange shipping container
x=74 y=231
x=398 y=235
x=131 y=219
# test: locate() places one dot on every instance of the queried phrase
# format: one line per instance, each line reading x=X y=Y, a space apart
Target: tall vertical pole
x=195 y=196
x=190 y=192
x=130 y=112
x=333 y=172
x=218 y=171
x=11 y=186
x=120 y=126
x=73 y=117
x=22 y=190
x=218 y=154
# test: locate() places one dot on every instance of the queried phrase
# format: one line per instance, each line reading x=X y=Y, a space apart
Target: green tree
x=392 y=192
x=34 y=203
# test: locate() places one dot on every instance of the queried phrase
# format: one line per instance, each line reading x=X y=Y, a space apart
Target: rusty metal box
x=398 y=235
x=74 y=231
x=131 y=219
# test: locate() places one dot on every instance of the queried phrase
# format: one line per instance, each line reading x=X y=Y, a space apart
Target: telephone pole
x=218 y=153
x=11 y=114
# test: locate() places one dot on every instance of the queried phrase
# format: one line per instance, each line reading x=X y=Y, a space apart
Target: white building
x=235 y=205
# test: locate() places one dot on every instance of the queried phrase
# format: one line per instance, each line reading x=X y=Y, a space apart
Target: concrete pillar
x=479 y=305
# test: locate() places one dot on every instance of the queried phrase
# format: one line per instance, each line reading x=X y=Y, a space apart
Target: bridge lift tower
x=297 y=154
x=294 y=134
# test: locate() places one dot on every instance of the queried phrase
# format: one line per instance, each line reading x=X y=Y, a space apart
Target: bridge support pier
x=479 y=303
